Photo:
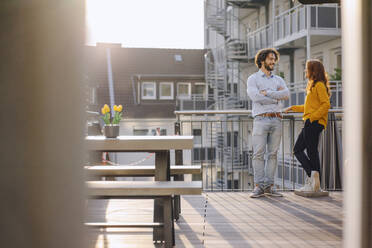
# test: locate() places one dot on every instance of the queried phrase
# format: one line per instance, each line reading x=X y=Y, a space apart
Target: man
x=266 y=90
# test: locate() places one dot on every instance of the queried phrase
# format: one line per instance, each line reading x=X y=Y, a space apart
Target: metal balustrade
x=292 y=24
x=258 y=39
x=298 y=93
x=223 y=147
x=240 y=100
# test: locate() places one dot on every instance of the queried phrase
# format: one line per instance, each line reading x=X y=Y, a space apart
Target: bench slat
x=118 y=224
x=126 y=170
x=143 y=188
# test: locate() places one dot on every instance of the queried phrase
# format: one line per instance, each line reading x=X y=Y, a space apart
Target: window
x=211 y=153
x=198 y=154
x=339 y=61
x=184 y=90
x=303 y=64
x=236 y=138
x=197 y=133
x=204 y=154
x=159 y=131
x=199 y=89
x=140 y=132
x=166 y=91
x=178 y=58
x=148 y=90
x=228 y=139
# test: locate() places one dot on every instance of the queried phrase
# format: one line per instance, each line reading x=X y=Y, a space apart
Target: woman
x=315 y=117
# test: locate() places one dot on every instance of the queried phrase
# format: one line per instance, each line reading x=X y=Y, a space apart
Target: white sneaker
x=315 y=182
x=307 y=186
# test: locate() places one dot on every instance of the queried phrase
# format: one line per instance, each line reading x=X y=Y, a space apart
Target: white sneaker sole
x=257 y=196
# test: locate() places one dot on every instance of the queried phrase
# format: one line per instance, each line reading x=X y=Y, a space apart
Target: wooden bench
x=112 y=189
x=139 y=170
x=146 y=189
x=96 y=171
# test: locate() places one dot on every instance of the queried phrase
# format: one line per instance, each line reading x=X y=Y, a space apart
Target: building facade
x=149 y=83
x=234 y=31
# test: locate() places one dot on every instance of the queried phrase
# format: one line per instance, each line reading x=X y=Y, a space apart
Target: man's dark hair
x=262 y=54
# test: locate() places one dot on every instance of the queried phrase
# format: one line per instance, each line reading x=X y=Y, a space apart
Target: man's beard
x=267 y=67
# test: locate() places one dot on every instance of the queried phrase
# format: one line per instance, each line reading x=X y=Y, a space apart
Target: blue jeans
x=267 y=132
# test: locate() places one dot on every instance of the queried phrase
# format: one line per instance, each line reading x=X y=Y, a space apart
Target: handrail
x=236 y=112
x=92 y=113
x=301 y=5
x=289 y=10
x=259 y=29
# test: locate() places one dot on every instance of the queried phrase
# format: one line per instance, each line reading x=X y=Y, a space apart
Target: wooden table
x=160 y=145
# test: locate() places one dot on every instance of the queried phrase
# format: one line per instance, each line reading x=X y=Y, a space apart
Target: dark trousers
x=309 y=139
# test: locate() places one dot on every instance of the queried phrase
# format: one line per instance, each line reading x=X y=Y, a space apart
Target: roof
x=131 y=65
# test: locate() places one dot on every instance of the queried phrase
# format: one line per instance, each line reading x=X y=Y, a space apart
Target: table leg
x=168 y=222
x=177 y=206
x=177 y=199
x=162 y=173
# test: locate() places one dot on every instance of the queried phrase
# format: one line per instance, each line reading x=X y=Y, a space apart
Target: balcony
x=292 y=26
x=260 y=38
x=196 y=102
x=298 y=94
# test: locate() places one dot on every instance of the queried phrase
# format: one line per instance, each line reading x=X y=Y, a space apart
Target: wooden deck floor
x=228 y=220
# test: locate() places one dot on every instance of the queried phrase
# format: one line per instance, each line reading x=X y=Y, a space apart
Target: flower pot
x=111 y=130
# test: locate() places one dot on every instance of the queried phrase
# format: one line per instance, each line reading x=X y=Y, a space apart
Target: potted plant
x=111 y=128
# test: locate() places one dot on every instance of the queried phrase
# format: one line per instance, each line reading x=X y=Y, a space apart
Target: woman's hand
x=287 y=110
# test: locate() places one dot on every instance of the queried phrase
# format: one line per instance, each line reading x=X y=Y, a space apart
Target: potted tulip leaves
x=111 y=128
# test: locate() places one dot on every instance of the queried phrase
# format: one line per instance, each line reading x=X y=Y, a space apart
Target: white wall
x=327 y=50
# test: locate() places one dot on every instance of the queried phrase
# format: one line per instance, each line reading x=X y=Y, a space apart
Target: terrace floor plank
x=227 y=219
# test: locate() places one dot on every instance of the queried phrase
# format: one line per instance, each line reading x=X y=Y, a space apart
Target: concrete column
x=308 y=37
x=273 y=5
x=42 y=123
x=357 y=75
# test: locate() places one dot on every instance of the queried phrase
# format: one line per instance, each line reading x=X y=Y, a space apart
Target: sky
x=146 y=23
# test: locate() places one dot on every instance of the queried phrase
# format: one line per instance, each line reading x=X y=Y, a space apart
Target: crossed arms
x=266 y=96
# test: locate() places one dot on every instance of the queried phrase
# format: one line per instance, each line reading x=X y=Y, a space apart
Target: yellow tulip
x=107 y=108
x=116 y=108
x=103 y=111
x=120 y=108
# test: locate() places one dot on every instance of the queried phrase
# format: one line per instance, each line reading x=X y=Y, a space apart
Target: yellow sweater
x=316 y=105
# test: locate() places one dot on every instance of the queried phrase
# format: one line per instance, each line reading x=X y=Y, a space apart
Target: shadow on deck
x=231 y=219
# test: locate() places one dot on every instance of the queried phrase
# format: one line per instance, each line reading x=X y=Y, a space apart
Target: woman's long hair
x=316 y=74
